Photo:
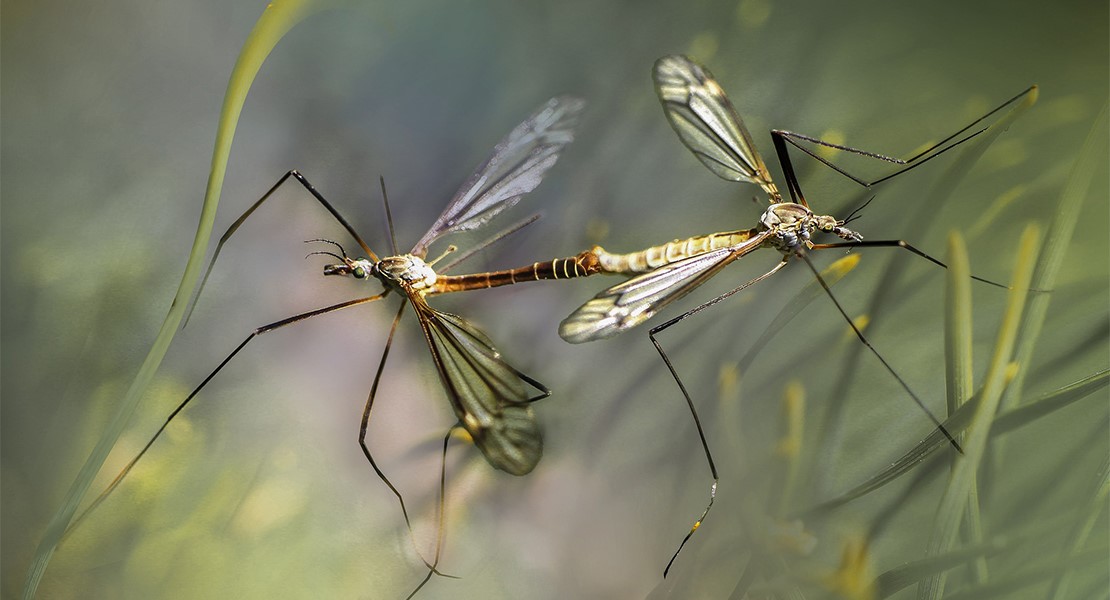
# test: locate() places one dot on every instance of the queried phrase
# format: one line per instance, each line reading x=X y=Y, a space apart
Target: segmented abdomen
x=657 y=256
x=582 y=265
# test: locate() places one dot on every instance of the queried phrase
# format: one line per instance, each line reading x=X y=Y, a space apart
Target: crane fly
x=708 y=125
x=490 y=398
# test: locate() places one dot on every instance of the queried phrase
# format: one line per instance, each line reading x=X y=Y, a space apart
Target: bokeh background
x=260 y=490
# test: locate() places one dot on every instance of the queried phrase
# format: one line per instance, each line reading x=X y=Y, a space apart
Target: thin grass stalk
x=954 y=501
x=278 y=18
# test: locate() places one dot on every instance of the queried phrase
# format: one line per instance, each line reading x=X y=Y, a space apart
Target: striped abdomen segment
x=664 y=254
x=583 y=265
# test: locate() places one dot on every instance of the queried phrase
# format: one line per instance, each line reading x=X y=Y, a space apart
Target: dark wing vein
x=489 y=397
x=706 y=122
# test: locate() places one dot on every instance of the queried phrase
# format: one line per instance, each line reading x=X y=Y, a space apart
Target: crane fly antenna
x=324 y=253
x=343 y=258
x=852 y=216
x=326 y=241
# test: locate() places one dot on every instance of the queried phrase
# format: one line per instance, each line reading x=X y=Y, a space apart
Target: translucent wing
x=706 y=122
x=628 y=304
x=489 y=397
x=517 y=166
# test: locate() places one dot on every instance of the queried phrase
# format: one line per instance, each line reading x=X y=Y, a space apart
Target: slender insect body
x=671 y=270
x=664 y=254
x=583 y=264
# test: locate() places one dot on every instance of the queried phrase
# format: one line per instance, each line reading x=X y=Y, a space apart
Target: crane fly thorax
x=793 y=225
x=406 y=271
x=786 y=215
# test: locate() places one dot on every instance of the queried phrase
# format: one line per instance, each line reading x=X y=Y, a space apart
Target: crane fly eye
x=359 y=273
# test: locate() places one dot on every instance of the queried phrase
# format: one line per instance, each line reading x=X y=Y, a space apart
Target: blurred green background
x=260 y=489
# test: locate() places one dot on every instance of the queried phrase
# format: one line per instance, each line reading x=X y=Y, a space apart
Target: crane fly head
x=359 y=268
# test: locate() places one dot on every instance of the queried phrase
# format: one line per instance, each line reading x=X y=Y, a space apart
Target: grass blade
x=906 y=575
x=922 y=221
x=959 y=378
x=1023 y=579
x=1057 y=241
x=952 y=504
x=957 y=326
x=1027 y=413
x=1083 y=529
x=958 y=422
x=279 y=17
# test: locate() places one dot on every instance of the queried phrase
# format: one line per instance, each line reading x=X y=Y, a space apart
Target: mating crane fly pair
x=490 y=398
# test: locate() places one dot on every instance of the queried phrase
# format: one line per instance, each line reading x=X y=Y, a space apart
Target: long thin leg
x=539 y=387
x=900 y=244
x=366 y=422
x=238 y=222
x=690 y=401
x=388 y=217
x=889 y=368
x=441 y=510
x=440 y=517
x=781 y=137
x=364 y=425
x=257 y=332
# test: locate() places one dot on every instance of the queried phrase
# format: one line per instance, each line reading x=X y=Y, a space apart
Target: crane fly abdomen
x=582 y=265
x=664 y=254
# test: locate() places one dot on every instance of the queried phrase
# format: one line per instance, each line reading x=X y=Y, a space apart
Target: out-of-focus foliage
x=260 y=490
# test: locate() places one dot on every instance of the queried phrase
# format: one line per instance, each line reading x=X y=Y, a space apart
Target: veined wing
x=706 y=122
x=489 y=397
x=628 y=304
x=517 y=166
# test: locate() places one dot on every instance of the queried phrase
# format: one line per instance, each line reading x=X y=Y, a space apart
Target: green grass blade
x=954 y=501
x=1049 y=403
x=910 y=573
x=1018 y=583
x=922 y=220
x=279 y=17
x=957 y=423
x=1057 y=240
x=896 y=579
x=959 y=378
x=1083 y=529
x=959 y=381
x=907 y=574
